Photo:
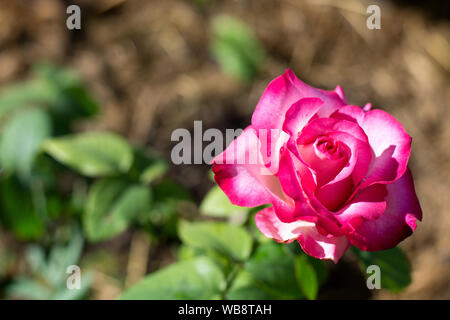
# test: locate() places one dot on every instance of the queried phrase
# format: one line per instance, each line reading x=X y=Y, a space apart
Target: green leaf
x=112 y=205
x=273 y=266
x=70 y=96
x=26 y=288
x=168 y=189
x=147 y=166
x=54 y=89
x=21 y=140
x=394 y=266
x=245 y=287
x=20 y=95
x=232 y=241
x=306 y=277
x=170 y=199
x=197 y=278
x=236 y=48
x=62 y=256
x=153 y=171
x=216 y=204
x=18 y=211
x=94 y=154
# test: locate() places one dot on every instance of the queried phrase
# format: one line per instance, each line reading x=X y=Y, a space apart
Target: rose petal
x=299 y=114
x=311 y=241
x=239 y=172
x=268 y=223
x=323 y=247
x=391 y=146
x=396 y=223
x=368 y=204
x=281 y=93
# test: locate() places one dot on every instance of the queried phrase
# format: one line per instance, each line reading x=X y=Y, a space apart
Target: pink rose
x=335 y=174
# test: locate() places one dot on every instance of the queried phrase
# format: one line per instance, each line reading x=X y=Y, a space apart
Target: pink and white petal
x=311 y=241
x=391 y=146
x=356 y=168
x=322 y=247
x=268 y=223
x=270 y=143
x=334 y=195
x=396 y=223
x=368 y=204
x=239 y=173
x=281 y=93
x=299 y=114
x=298 y=183
x=325 y=126
x=349 y=113
x=292 y=173
x=340 y=92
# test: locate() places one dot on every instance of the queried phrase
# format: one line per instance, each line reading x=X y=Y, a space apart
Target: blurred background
x=154 y=66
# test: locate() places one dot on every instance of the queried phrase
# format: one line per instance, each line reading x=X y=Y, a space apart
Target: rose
x=337 y=177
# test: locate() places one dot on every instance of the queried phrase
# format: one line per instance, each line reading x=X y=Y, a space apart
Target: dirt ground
x=149 y=64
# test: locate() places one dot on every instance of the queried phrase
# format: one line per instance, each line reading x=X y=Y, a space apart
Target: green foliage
x=273 y=266
x=147 y=166
x=232 y=241
x=57 y=91
x=18 y=210
x=394 y=267
x=236 y=48
x=197 y=278
x=306 y=277
x=94 y=154
x=170 y=200
x=216 y=204
x=112 y=205
x=21 y=140
x=48 y=272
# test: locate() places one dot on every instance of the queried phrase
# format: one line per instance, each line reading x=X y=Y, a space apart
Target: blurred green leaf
x=186 y=252
x=48 y=272
x=216 y=204
x=60 y=257
x=54 y=89
x=153 y=171
x=245 y=287
x=232 y=241
x=321 y=268
x=18 y=211
x=394 y=266
x=112 y=205
x=21 y=140
x=197 y=278
x=273 y=266
x=236 y=48
x=306 y=277
x=35 y=256
x=94 y=154
x=148 y=166
x=27 y=288
x=170 y=199
x=168 y=189
x=70 y=97
x=21 y=95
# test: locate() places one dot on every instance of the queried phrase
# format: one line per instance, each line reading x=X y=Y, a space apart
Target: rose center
x=326 y=148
